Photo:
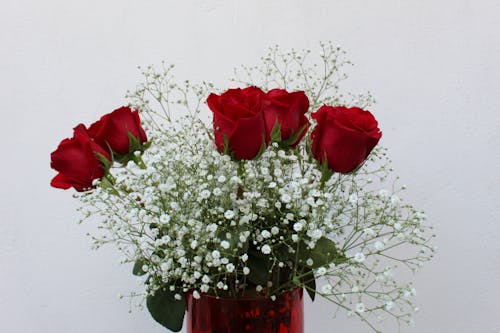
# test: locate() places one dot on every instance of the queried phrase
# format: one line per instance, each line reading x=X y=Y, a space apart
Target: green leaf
x=276 y=132
x=104 y=160
x=324 y=253
x=226 y=150
x=166 y=310
x=283 y=254
x=309 y=280
x=263 y=147
x=293 y=137
x=137 y=270
x=134 y=143
x=259 y=268
x=326 y=173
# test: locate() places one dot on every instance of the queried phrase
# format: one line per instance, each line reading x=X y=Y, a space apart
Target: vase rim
x=248 y=298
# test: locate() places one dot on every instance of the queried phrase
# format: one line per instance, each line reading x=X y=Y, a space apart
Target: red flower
x=77 y=162
x=239 y=122
x=344 y=136
x=288 y=109
x=113 y=130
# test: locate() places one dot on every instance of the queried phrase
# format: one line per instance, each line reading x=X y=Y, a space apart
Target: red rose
x=345 y=136
x=77 y=162
x=113 y=130
x=239 y=121
x=288 y=109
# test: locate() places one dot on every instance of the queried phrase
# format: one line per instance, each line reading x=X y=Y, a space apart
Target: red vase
x=210 y=314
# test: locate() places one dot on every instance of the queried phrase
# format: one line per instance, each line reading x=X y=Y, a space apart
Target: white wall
x=433 y=66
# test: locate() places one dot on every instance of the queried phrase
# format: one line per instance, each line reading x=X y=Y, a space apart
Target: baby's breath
x=192 y=215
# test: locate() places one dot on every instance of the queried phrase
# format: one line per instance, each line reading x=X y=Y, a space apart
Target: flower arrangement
x=285 y=188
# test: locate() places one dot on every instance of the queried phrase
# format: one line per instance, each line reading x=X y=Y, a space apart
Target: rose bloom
x=239 y=122
x=77 y=162
x=113 y=130
x=344 y=136
x=288 y=109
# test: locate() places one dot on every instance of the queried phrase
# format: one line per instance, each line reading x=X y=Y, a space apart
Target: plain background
x=432 y=65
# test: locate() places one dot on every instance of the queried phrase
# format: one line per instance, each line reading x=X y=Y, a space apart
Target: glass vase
x=210 y=314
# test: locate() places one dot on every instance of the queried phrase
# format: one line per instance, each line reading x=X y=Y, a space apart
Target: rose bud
x=239 y=123
x=120 y=131
x=285 y=114
x=344 y=136
x=79 y=161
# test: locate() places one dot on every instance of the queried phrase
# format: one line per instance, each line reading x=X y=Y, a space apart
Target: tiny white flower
x=316 y=234
x=359 y=257
x=258 y=288
x=395 y=200
x=326 y=289
x=229 y=214
x=262 y=203
x=421 y=216
x=369 y=232
x=205 y=194
x=353 y=198
x=205 y=279
x=265 y=234
x=178 y=297
x=266 y=249
x=309 y=262
x=311 y=202
x=212 y=227
x=221 y=179
x=378 y=245
x=164 y=218
x=286 y=198
x=215 y=254
x=383 y=193
x=275 y=230
x=230 y=268
x=246 y=270
x=272 y=185
x=225 y=244
x=244 y=257
x=204 y=288
x=298 y=226
x=235 y=180
x=360 y=308
x=196 y=294
x=321 y=271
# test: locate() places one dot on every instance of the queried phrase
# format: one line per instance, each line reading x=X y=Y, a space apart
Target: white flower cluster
x=196 y=220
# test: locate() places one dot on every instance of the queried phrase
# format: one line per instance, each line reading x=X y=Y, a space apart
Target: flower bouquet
x=284 y=190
